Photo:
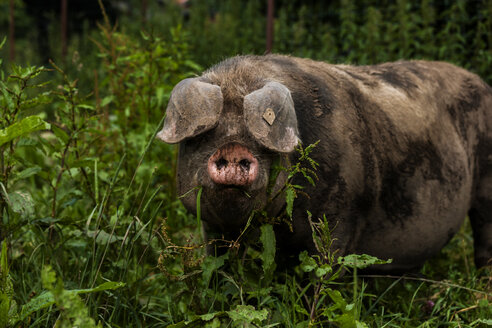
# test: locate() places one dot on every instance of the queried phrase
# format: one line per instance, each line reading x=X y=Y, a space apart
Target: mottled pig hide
x=405 y=152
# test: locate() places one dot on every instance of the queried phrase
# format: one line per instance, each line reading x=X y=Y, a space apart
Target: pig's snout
x=233 y=164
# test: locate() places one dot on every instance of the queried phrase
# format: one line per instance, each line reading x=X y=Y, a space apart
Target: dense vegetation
x=92 y=231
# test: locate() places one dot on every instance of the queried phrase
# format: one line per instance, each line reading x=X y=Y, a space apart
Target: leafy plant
x=16 y=101
x=8 y=306
x=68 y=196
x=254 y=284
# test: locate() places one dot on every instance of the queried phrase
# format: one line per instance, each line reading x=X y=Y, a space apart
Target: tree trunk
x=11 y=31
x=269 y=27
x=63 y=17
x=144 y=12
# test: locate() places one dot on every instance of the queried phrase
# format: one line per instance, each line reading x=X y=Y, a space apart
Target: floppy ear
x=270 y=117
x=194 y=107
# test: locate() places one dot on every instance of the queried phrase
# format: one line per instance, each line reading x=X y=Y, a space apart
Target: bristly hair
x=237 y=77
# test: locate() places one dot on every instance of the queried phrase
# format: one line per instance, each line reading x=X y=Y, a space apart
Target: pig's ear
x=270 y=117
x=194 y=107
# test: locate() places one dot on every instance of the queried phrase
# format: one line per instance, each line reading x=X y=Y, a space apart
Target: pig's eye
x=270 y=117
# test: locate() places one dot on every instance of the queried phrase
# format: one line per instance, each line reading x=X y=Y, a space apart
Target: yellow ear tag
x=269 y=115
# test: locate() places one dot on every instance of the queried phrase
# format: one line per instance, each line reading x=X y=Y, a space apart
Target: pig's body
x=405 y=153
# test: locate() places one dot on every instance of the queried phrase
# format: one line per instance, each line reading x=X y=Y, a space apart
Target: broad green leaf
x=197 y=321
x=308 y=264
x=360 y=261
x=487 y=322
x=4 y=269
x=102 y=237
x=290 y=194
x=7 y=304
x=43 y=98
x=348 y=317
x=22 y=128
x=108 y=285
x=208 y=316
x=337 y=298
x=106 y=100
x=323 y=270
x=345 y=320
x=267 y=239
x=48 y=220
x=275 y=169
x=300 y=309
x=22 y=203
x=7 y=99
x=4 y=309
x=211 y=264
x=60 y=133
x=248 y=314
x=48 y=277
x=85 y=106
x=46 y=299
x=24 y=174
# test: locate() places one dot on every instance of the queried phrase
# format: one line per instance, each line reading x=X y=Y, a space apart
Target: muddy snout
x=233 y=164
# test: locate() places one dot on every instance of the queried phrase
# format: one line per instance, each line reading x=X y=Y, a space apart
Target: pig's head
x=228 y=147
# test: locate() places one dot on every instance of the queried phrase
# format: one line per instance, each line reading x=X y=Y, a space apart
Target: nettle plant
x=241 y=285
x=16 y=204
x=54 y=159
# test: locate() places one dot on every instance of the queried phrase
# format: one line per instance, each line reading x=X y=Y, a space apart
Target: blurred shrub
x=348 y=31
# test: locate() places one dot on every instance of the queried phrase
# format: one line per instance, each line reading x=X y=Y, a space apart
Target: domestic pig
x=404 y=153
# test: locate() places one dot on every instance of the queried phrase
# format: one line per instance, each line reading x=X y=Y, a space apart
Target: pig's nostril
x=232 y=165
x=220 y=163
x=245 y=164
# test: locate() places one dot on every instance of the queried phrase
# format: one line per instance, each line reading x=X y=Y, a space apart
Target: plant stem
x=58 y=178
x=312 y=315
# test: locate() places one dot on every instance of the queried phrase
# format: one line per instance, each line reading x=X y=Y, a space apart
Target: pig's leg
x=481 y=220
x=481 y=211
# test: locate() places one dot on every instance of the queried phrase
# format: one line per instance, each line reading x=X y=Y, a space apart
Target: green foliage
x=8 y=305
x=80 y=189
x=308 y=173
x=360 y=261
x=18 y=98
x=359 y=32
x=237 y=276
x=22 y=128
x=72 y=309
x=267 y=239
x=141 y=74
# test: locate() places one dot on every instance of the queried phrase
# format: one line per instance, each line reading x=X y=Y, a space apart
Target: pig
x=404 y=152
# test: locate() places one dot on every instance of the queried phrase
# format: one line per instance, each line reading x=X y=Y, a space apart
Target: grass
x=124 y=248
